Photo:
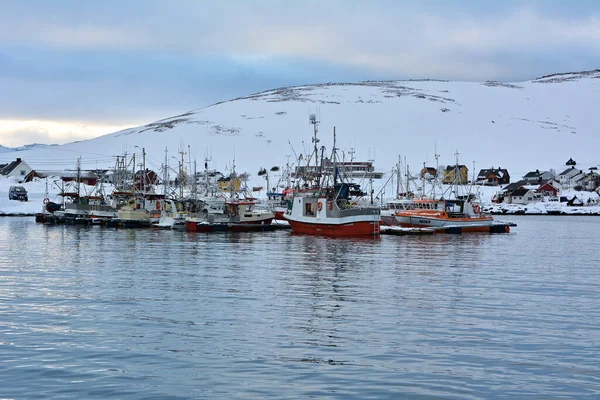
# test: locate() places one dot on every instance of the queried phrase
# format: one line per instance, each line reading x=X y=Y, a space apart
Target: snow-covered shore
x=542 y=208
x=37 y=192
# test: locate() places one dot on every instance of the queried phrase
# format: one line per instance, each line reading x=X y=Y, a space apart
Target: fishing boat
x=171 y=217
x=319 y=208
x=391 y=208
x=460 y=215
x=332 y=212
x=277 y=202
x=228 y=209
x=237 y=215
x=132 y=214
x=82 y=199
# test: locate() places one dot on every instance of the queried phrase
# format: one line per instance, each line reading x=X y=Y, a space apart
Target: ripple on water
x=98 y=313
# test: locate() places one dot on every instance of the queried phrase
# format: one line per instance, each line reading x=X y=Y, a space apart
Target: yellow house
x=456 y=174
x=226 y=184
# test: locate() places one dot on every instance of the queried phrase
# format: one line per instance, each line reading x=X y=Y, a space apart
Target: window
x=22 y=172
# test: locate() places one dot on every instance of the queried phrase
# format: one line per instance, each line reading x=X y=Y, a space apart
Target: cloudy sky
x=72 y=69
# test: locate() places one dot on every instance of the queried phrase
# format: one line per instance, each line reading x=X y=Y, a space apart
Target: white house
x=523 y=195
x=566 y=177
x=577 y=180
x=17 y=168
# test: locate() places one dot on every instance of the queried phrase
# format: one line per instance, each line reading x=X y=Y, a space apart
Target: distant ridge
x=520 y=126
x=26 y=147
x=568 y=76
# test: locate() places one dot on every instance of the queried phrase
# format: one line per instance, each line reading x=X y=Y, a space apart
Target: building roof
x=550 y=182
x=8 y=168
x=566 y=171
x=499 y=172
x=514 y=186
x=532 y=174
x=520 y=192
x=547 y=185
x=452 y=167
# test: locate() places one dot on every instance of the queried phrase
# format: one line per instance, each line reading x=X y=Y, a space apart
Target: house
x=577 y=180
x=456 y=174
x=565 y=177
x=511 y=187
x=229 y=183
x=18 y=169
x=493 y=177
x=549 y=188
x=85 y=177
x=523 y=196
x=591 y=181
x=144 y=180
x=33 y=174
x=537 y=176
x=427 y=172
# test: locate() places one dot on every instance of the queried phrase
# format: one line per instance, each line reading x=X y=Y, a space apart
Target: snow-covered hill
x=524 y=126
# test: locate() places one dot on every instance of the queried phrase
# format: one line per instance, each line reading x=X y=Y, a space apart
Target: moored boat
x=452 y=216
x=332 y=213
x=236 y=215
x=321 y=208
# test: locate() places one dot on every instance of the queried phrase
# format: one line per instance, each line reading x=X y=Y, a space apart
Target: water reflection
x=144 y=313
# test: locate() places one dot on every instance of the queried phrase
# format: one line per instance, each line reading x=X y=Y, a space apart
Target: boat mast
x=181 y=174
x=288 y=174
x=312 y=119
x=206 y=176
x=334 y=160
x=407 y=175
x=456 y=175
x=435 y=177
x=231 y=178
x=166 y=172
x=78 y=184
x=398 y=175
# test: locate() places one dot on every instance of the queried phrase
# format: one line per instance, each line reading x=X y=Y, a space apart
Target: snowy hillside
x=523 y=126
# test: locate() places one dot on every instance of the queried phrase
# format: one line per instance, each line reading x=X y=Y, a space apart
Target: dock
x=399 y=231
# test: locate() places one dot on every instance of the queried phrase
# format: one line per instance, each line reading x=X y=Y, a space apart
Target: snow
x=36 y=191
x=14 y=207
x=522 y=127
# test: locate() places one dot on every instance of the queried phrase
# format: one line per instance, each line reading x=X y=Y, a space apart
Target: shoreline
x=561 y=214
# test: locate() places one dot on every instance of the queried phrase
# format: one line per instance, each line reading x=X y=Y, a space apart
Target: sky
x=73 y=70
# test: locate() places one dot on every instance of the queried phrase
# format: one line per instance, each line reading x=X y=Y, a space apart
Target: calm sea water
x=90 y=312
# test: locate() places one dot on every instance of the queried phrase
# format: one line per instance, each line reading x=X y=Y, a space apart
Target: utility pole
x=144 y=175
x=181 y=175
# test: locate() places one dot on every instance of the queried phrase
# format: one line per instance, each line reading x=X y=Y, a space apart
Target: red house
x=547 y=189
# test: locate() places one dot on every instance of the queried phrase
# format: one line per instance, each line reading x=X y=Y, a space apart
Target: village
x=499 y=193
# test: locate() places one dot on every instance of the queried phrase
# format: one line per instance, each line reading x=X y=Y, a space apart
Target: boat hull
x=203 y=226
x=359 y=228
x=452 y=225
